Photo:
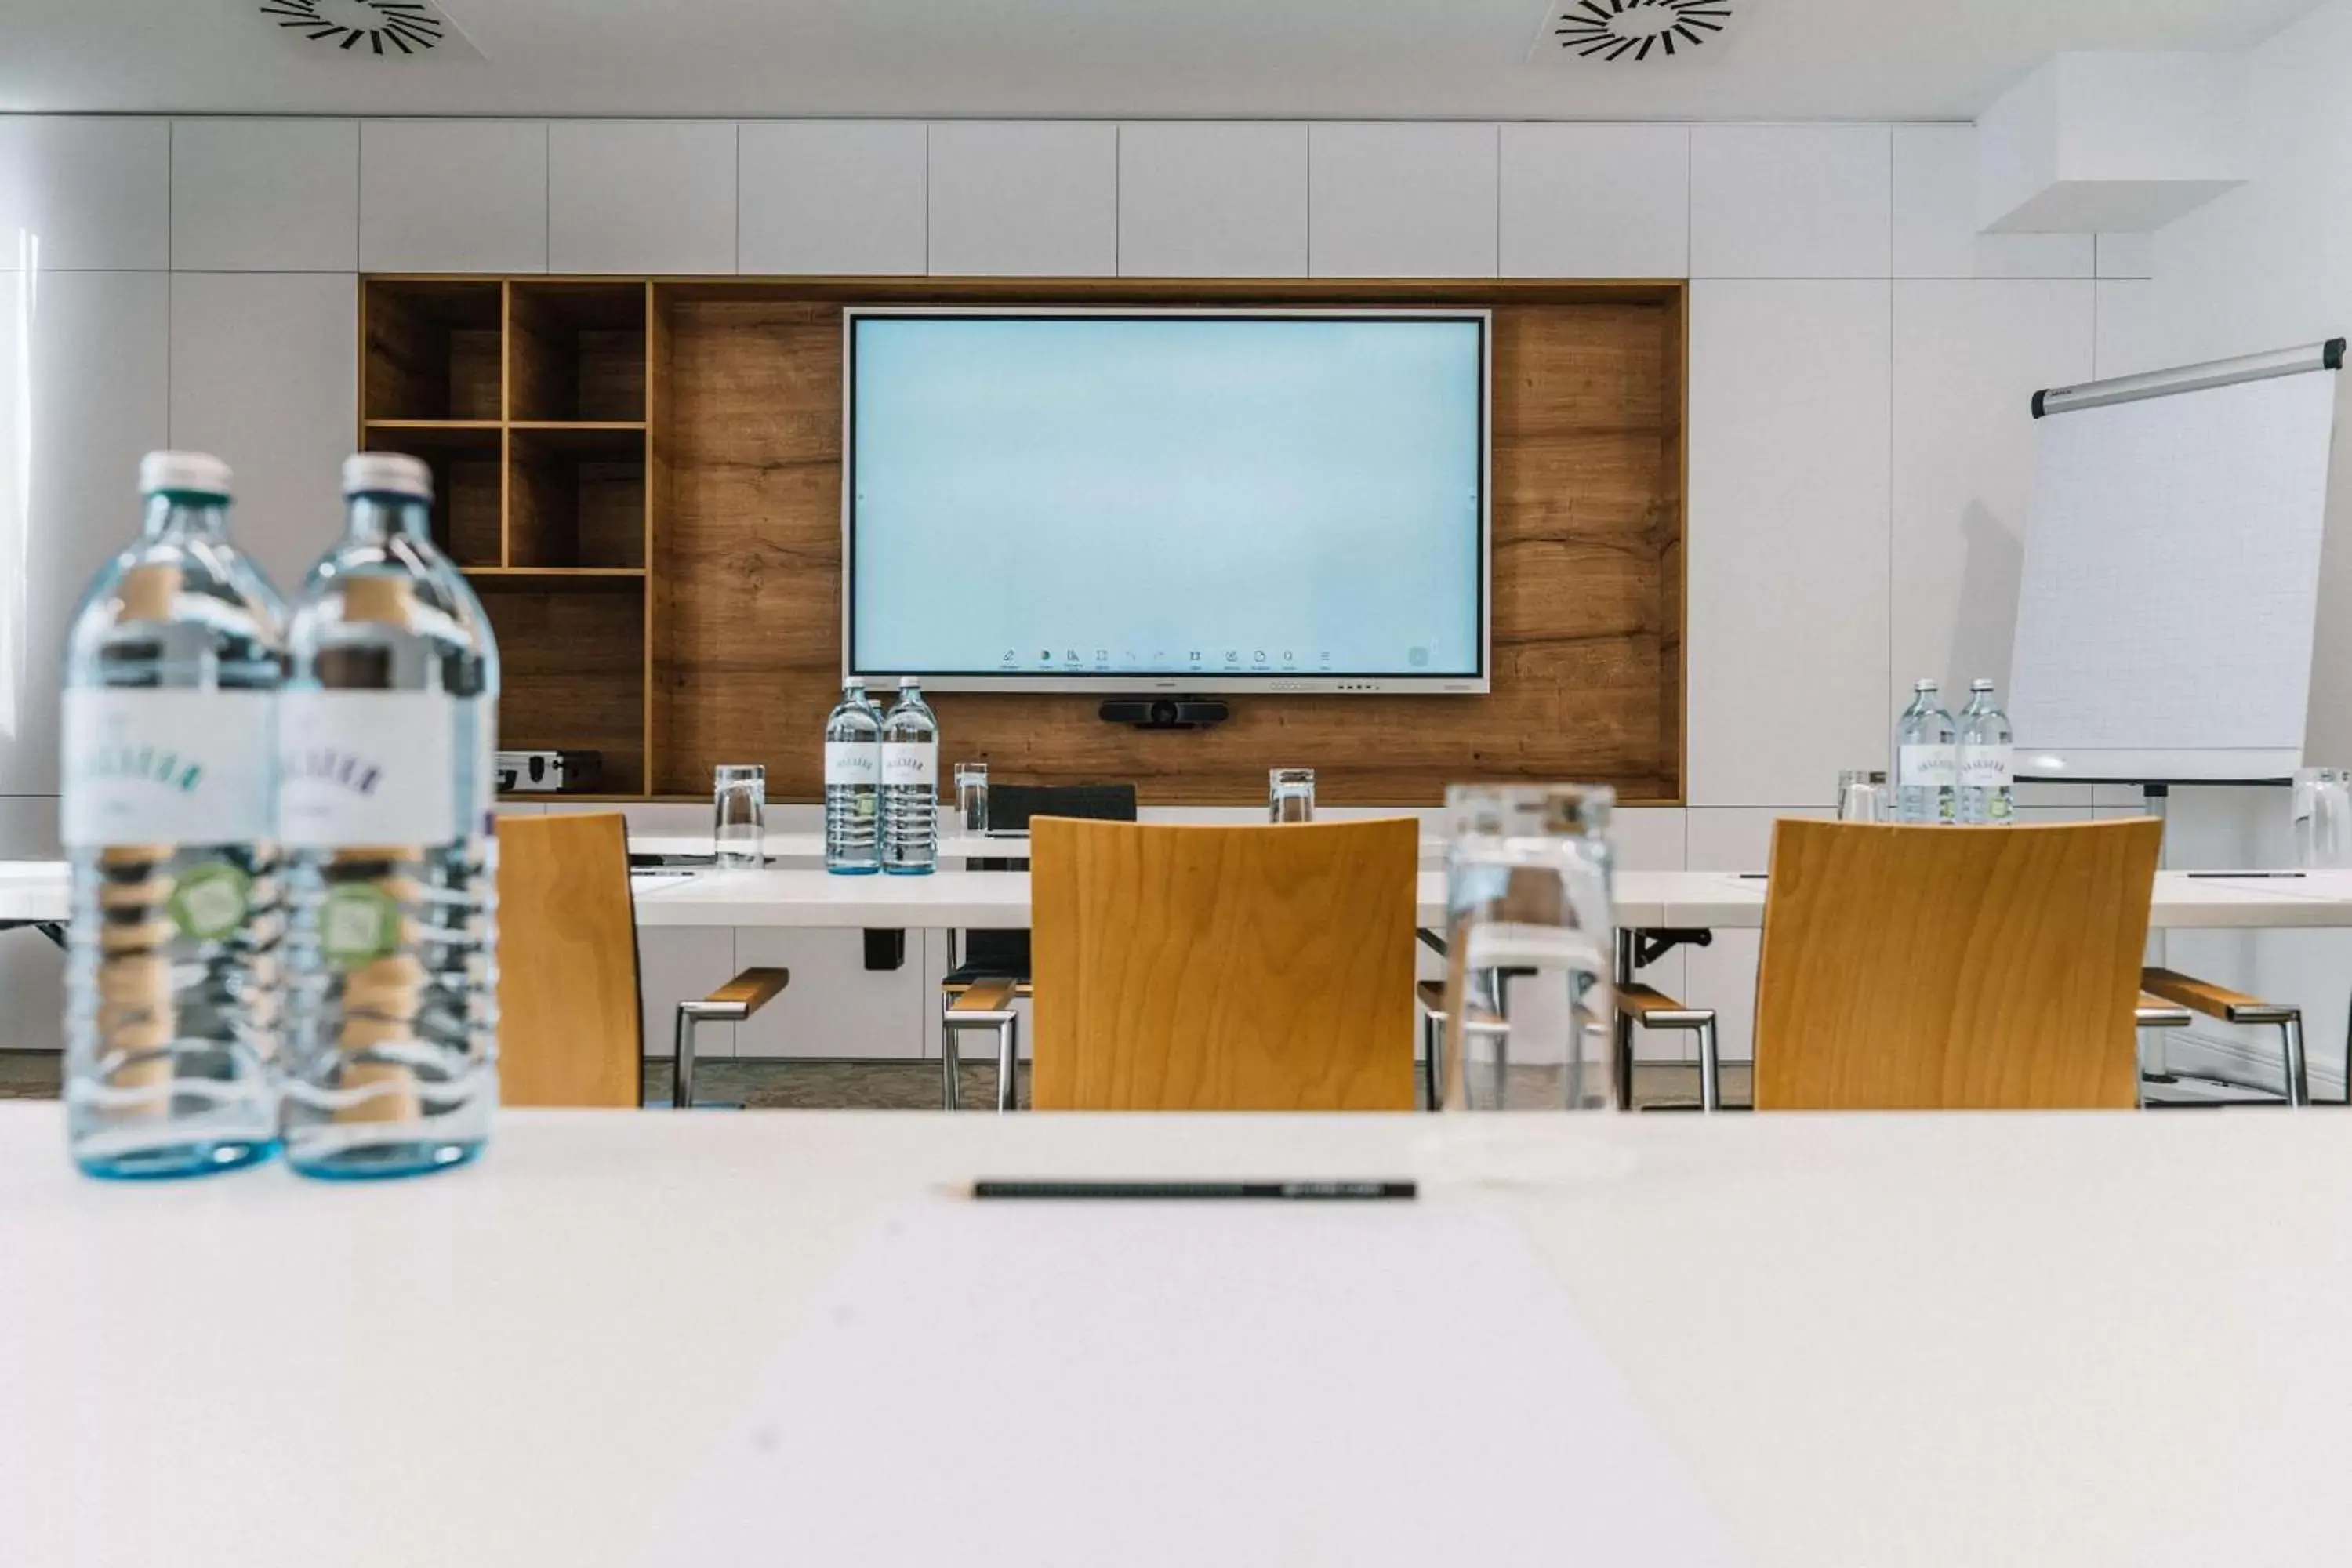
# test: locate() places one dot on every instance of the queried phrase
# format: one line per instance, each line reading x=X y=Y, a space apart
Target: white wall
x=1860 y=360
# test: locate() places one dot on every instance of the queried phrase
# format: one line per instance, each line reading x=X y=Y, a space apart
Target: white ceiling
x=1786 y=59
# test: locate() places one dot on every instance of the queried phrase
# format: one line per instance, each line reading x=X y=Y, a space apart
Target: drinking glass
x=2323 y=818
x=1530 y=944
x=971 y=796
x=740 y=796
x=1861 y=797
x=1290 y=795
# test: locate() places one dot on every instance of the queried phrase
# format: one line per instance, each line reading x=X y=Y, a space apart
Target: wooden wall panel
x=1588 y=482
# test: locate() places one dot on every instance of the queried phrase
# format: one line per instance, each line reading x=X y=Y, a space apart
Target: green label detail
x=360 y=924
x=156 y=764
x=210 y=900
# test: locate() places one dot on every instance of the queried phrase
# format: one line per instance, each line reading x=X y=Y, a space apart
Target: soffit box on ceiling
x=2112 y=143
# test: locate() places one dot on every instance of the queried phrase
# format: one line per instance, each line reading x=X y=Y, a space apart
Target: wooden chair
x=1940 y=968
x=1249 y=968
x=992 y=971
x=571 y=1027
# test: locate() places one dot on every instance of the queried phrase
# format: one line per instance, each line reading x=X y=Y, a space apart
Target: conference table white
x=35 y=892
x=1928 y=1340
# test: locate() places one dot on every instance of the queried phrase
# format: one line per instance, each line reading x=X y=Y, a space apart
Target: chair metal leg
x=1710 y=1070
x=2298 y=1072
x=1008 y=1065
x=1433 y=1063
x=681 y=1063
x=951 y=1069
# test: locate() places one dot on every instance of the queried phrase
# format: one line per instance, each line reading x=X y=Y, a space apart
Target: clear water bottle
x=910 y=784
x=388 y=728
x=1987 y=791
x=852 y=784
x=1926 y=760
x=172 y=672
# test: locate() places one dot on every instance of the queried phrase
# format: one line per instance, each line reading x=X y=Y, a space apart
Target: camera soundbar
x=1166 y=712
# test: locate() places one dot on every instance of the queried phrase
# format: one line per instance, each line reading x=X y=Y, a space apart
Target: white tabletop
x=979 y=900
x=1962 y=1340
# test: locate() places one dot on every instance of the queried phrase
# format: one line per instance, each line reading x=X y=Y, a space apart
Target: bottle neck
x=375 y=517
x=174 y=514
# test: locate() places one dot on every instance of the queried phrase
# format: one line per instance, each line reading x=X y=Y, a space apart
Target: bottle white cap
x=909 y=683
x=1980 y=684
x=386 y=473
x=199 y=473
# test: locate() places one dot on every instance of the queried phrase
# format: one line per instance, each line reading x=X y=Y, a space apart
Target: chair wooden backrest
x=570 y=1032
x=1246 y=968
x=1944 y=968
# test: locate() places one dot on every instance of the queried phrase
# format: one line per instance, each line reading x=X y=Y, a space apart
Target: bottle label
x=166 y=767
x=1928 y=766
x=368 y=767
x=1985 y=767
x=911 y=763
x=853 y=762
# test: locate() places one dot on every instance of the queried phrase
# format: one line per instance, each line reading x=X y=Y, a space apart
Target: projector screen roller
x=1167 y=500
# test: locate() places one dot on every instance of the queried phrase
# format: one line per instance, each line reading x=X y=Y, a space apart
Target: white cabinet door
x=1968 y=356
x=1403 y=200
x=264 y=375
x=1596 y=201
x=1023 y=199
x=833 y=197
x=86 y=193
x=265 y=195
x=453 y=195
x=836 y=1006
x=1936 y=216
x=1788 y=539
x=1212 y=199
x=641 y=195
x=1792 y=200
x=89 y=387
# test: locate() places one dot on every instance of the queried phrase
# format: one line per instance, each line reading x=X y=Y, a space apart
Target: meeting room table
x=624 y=1340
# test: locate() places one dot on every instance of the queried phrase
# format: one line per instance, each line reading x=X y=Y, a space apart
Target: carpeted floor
x=768 y=1084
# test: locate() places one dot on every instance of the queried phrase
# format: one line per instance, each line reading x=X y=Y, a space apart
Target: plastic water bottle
x=173 y=667
x=388 y=728
x=1926 y=760
x=852 y=784
x=1987 y=794
x=910 y=784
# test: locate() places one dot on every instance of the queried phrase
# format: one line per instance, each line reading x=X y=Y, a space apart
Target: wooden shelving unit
x=641 y=481
x=532 y=402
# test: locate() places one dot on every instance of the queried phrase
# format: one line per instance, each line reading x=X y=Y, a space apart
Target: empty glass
x=1861 y=797
x=971 y=796
x=2323 y=818
x=1530 y=944
x=739 y=795
x=1290 y=795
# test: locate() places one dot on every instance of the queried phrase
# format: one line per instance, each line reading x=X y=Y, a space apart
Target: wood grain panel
x=1951 y=969
x=569 y=1018
x=1253 y=968
x=1587 y=483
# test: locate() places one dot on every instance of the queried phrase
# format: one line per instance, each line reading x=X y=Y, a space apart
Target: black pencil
x=1292 y=1192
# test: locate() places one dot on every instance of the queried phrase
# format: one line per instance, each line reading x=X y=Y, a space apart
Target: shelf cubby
x=573 y=665
x=467 y=460
x=577 y=497
x=433 y=350
x=577 y=351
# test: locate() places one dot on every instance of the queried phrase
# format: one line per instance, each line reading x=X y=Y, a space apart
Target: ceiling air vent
x=1632 y=32
x=374 y=29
